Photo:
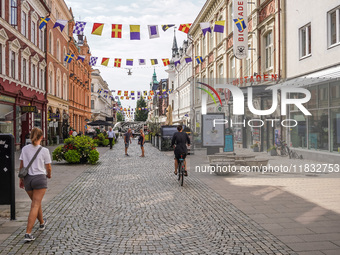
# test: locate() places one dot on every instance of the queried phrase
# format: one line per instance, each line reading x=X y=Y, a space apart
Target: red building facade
x=23 y=100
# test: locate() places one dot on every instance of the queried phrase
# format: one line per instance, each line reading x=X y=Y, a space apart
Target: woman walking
x=35 y=182
x=141 y=141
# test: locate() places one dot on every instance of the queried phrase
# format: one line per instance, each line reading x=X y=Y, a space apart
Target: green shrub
x=58 y=153
x=93 y=156
x=106 y=142
x=101 y=140
x=72 y=156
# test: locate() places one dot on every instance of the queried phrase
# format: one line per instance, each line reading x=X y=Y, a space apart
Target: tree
x=120 y=117
x=140 y=114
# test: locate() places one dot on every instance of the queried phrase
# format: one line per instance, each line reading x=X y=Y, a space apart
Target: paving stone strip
x=133 y=205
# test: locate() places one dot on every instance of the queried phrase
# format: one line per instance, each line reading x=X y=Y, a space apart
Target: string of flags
x=133 y=95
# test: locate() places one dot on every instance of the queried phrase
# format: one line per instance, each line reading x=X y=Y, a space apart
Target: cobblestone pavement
x=133 y=205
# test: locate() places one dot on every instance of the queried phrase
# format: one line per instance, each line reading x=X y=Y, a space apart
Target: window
x=1 y=58
x=14 y=13
x=1 y=7
x=198 y=49
x=211 y=41
x=220 y=73
x=24 y=70
x=50 y=43
x=334 y=26
x=92 y=87
x=12 y=64
x=34 y=70
x=41 y=39
x=232 y=68
x=24 y=23
x=58 y=50
x=50 y=85
x=58 y=86
x=305 y=41
x=268 y=50
x=247 y=66
x=92 y=104
x=231 y=15
x=204 y=47
x=33 y=33
x=42 y=79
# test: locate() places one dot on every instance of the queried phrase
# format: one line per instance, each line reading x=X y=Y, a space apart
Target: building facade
x=101 y=103
x=265 y=59
x=57 y=70
x=22 y=68
x=313 y=43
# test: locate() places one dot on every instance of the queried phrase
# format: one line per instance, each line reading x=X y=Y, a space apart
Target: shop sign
x=28 y=109
x=7 y=99
x=240 y=35
x=52 y=115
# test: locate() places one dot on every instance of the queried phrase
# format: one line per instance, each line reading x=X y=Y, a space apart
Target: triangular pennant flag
x=60 y=23
x=97 y=28
x=219 y=26
x=205 y=26
x=116 y=31
x=81 y=57
x=134 y=32
x=153 y=31
x=105 y=61
x=43 y=21
x=184 y=28
x=118 y=62
x=166 y=27
x=177 y=61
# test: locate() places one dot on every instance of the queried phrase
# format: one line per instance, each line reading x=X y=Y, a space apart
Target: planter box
x=256 y=149
x=272 y=153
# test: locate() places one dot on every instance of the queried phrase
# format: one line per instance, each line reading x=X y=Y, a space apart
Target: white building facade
x=313 y=43
x=101 y=102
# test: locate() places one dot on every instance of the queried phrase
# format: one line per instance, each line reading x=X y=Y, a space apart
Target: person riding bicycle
x=180 y=139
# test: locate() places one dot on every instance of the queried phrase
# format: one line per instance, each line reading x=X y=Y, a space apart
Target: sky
x=133 y=12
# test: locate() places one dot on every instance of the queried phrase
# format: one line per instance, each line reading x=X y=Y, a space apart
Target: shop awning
x=323 y=76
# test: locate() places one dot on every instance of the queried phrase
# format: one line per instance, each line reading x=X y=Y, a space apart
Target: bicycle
x=181 y=170
x=284 y=150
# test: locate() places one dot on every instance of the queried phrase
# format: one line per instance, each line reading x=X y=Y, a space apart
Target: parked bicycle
x=283 y=150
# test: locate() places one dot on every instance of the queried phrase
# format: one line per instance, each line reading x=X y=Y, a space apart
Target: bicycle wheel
x=179 y=170
x=182 y=173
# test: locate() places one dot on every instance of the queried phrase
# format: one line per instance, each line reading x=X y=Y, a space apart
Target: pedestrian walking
x=127 y=140
x=35 y=182
x=111 y=135
x=141 y=141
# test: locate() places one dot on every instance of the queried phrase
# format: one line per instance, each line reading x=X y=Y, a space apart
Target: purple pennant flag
x=153 y=31
x=81 y=57
x=188 y=59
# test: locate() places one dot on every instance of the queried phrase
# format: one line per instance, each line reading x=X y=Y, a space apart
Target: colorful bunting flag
x=81 y=57
x=151 y=93
x=60 y=23
x=199 y=59
x=132 y=93
x=142 y=62
x=93 y=61
x=43 y=21
x=116 y=31
x=97 y=28
x=184 y=28
x=154 y=61
x=177 y=61
x=166 y=61
x=241 y=25
x=219 y=26
x=205 y=26
x=145 y=92
x=79 y=27
x=126 y=93
x=118 y=62
x=134 y=32
x=153 y=31
x=121 y=98
x=119 y=92
x=129 y=62
x=166 y=27
x=69 y=58
x=188 y=59
x=105 y=61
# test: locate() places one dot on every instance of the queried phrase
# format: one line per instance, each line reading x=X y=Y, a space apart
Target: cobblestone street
x=133 y=205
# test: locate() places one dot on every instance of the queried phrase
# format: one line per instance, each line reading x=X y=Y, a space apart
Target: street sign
x=28 y=109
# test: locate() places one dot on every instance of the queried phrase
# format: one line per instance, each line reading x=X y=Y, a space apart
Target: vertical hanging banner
x=240 y=29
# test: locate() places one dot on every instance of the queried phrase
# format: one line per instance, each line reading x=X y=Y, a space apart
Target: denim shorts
x=32 y=182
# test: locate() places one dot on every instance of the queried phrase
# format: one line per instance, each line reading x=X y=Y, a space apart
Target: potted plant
x=272 y=151
x=255 y=147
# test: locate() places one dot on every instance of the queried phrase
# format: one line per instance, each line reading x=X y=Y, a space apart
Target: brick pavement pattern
x=133 y=205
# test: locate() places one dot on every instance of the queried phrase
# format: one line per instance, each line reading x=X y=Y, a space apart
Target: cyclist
x=180 y=139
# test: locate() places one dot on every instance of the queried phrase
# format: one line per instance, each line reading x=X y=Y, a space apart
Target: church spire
x=174 y=45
